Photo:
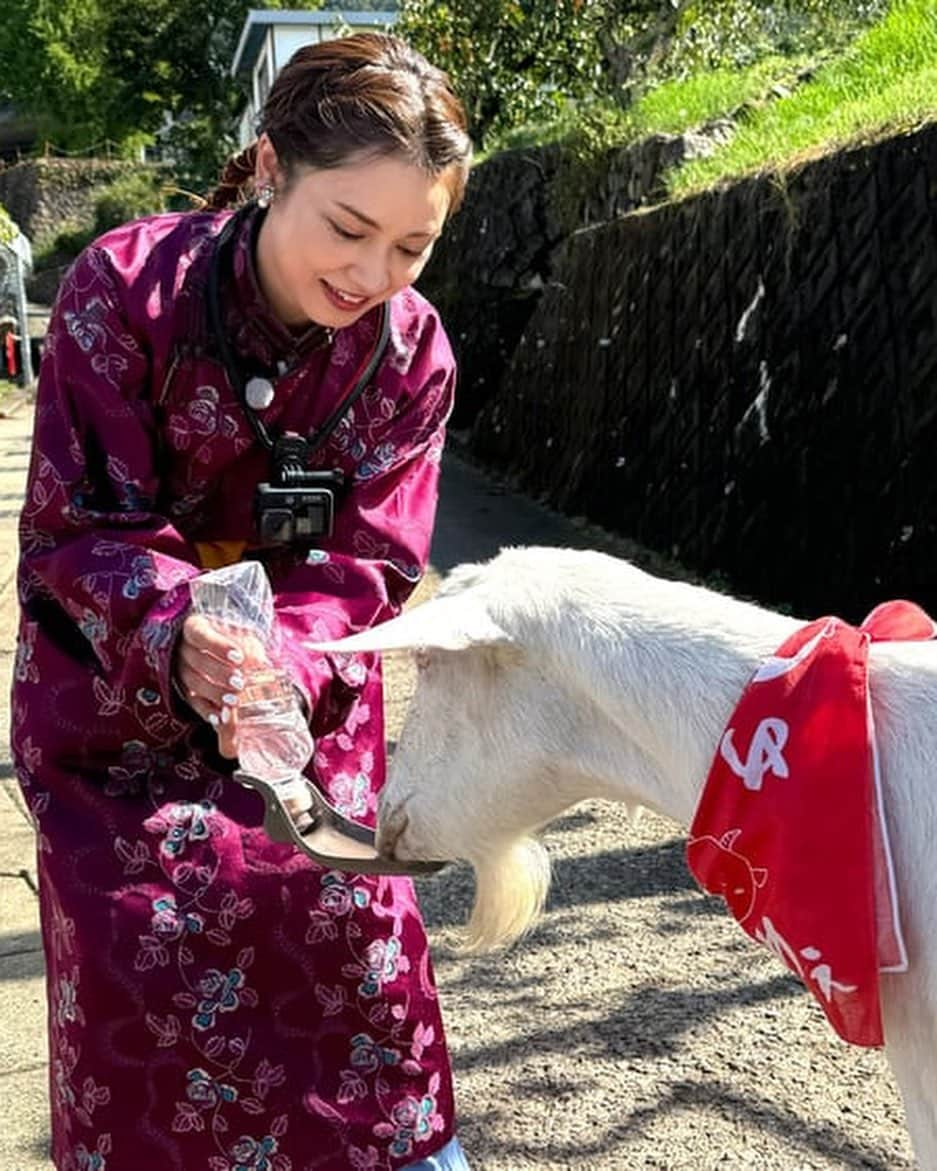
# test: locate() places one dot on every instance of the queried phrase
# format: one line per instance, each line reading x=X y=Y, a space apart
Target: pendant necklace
x=259 y=393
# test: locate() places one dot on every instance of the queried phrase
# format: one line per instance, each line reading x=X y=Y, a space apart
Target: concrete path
x=23 y=1084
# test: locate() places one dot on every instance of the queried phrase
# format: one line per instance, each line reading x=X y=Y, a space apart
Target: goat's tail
x=511 y=887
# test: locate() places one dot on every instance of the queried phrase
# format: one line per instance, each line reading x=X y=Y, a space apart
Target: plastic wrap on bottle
x=274 y=742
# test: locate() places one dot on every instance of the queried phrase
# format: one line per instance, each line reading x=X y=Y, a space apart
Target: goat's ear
x=450 y=624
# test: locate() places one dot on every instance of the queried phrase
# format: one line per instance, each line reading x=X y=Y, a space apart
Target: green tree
x=517 y=61
x=52 y=61
x=709 y=34
x=89 y=70
x=510 y=60
x=359 y=5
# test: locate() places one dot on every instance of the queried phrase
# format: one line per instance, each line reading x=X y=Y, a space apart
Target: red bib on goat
x=790 y=829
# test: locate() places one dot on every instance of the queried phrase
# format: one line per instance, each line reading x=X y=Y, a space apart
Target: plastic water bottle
x=274 y=742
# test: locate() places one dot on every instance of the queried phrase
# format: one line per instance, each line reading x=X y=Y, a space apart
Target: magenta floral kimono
x=216 y=1001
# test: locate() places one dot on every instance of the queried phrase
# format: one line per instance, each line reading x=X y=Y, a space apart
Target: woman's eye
x=414 y=254
x=345 y=235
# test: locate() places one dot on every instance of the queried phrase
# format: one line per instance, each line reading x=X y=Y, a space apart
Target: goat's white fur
x=549 y=675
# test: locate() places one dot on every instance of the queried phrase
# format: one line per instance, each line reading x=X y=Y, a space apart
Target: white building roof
x=258 y=20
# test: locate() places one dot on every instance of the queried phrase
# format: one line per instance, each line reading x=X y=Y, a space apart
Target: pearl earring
x=265 y=195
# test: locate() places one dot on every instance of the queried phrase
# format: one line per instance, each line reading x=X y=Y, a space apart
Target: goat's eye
x=421 y=658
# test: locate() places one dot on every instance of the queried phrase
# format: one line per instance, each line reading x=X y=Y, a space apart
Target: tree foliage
x=358 y=6
x=519 y=61
x=512 y=60
x=122 y=70
x=709 y=34
x=130 y=71
x=52 y=60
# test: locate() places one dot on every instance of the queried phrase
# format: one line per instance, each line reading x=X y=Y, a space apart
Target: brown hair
x=366 y=94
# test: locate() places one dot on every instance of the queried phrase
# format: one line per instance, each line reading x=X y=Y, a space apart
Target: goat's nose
x=390 y=826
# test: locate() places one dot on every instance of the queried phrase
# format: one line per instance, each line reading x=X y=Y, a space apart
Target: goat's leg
x=909 y=1009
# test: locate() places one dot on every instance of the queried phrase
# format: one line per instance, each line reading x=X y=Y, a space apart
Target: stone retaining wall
x=748 y=380
x=45 y=196
x=497 y=255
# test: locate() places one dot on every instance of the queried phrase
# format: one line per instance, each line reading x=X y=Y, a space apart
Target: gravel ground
x=637 y=1026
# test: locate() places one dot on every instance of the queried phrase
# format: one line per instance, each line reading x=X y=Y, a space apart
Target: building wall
x=289 y=38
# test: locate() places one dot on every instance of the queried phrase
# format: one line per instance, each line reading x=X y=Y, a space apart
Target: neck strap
x=232 y=366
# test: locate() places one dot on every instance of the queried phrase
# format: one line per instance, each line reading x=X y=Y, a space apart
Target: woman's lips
x=341 y=300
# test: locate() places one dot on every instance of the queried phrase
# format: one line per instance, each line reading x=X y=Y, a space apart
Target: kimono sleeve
x=380 y=547
x=101 y=571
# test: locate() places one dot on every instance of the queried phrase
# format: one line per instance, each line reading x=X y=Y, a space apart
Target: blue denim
x=451 y=1157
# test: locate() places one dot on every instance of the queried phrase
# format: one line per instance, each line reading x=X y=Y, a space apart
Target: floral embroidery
x=251 y=1154
x=352 y=794
x=92 y=626
x=67 y=1007
x=25 y=669
x=382 y=457
x=142 y=576
x=85 y=326
x=203 y=411
x=137 y=768
x=368 y=1057
x=219 y=994
x=205 y=1090
x=413 y=1121
x=183 y=822
x=383 y=957
x=92 y=1096
x=363 y=1160
x=171 y=923
x=86 y=1160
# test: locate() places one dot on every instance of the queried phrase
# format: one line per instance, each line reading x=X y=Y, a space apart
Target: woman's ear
x=267 y=169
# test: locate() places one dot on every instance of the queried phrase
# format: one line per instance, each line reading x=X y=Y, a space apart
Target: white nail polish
x=235 y=656
x=229 y=699
x=236 y=681
x=225 y=715
x=213 y=720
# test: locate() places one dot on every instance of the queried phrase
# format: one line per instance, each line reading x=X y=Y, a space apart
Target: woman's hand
x=212 y=666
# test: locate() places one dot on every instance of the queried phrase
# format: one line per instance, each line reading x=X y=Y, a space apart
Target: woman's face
x=337 y=242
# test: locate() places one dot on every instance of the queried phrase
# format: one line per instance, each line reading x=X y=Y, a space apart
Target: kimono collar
x=256 y=333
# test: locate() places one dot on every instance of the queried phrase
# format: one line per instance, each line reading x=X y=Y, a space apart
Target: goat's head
x=479 y=764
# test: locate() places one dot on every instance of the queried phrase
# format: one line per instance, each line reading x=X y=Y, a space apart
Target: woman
x=215 y=999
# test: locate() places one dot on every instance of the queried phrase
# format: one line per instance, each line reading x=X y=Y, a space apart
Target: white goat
x=548 y=676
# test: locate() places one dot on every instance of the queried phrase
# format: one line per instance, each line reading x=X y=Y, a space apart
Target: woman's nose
x=370 y=273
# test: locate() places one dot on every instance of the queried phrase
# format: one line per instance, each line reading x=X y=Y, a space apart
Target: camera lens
x=276 y=526
x=311 y=522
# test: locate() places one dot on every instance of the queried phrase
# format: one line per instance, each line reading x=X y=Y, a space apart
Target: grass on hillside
x=677 y=106
x=885 y=82
x=670 y=108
